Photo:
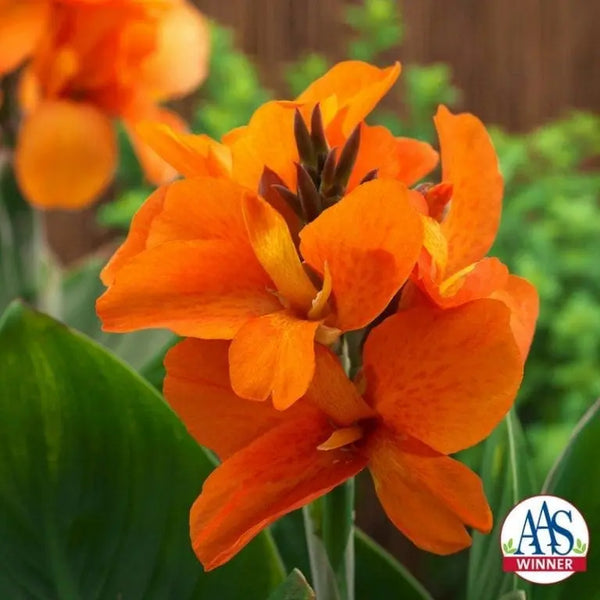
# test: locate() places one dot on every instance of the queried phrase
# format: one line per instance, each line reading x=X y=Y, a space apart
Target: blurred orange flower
x=208 y=258
x=92 y=61
x=424 y=398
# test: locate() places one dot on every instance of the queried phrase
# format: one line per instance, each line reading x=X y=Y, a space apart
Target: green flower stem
x=338 y=535
x=329 y=526
x=323 y=578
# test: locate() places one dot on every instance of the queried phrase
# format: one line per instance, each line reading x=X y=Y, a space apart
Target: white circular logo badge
x=544 y=539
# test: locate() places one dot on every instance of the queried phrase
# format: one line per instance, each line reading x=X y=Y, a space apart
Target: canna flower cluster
x=296 y=243
x=89 y=62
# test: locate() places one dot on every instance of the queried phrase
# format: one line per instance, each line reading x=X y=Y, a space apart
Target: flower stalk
x=329 y=526
x=338 y=538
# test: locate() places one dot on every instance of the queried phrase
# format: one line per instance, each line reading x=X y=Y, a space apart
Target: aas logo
x=544 y=539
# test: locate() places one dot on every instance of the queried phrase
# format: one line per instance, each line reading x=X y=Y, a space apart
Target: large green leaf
x=575 y=477
x=507 y=480
x=380 y=575
x=96 y=479
x=295 y=587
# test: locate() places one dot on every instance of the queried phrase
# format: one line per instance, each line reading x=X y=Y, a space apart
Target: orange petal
x=523 y=301
x=156 y=169
x=370 y=240
x=197 y=388
x=274 y=248
x=470 y=164
x=205 y=289
x=333 y=393
x=404 y=159
x=137 y=236
x=179 y=62
x=437 y=198
x=277 y=473
x=203 y=208
x=358 y=87
x=273 y=354
x=429 y=497
x=476 y=281
x=21 y=25
x=267 y=141
x=445 y=377
x=66 y=155
x=190 y=155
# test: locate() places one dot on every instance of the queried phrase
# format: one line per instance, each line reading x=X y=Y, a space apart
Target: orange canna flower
x=344 y=96
x=289 y=268
x=209 y=258
x=424 y=398
x=92 y=61
x=461 y=225
x=290 y=232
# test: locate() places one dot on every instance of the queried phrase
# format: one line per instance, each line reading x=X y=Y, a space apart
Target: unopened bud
x=310 y=199
x=347 y=158
x=306 y=151
x=317 y=132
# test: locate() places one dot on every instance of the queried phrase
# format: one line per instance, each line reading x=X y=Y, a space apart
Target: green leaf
x=288 y=533
x=96 y=479
x=380 y=575
x=506 y=480
x=514 y=595
x=574 y=477
x=295 y=587
x=119 y=212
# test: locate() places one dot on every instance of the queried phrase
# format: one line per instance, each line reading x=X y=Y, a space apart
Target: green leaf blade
x=96 y=479
x=295 y=587
x=380 y=575
x=574 y=477
x=507 y=480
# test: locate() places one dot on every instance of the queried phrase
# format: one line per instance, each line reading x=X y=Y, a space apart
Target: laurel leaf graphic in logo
x=580 y=547
x=508 y=547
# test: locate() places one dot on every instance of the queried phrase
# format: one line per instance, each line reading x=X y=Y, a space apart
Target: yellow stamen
x=450 y=286
x=342 y=437
x=319 y=303
x=435 y=243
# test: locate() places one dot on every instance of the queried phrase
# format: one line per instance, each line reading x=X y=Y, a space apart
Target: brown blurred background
x=518 y=63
